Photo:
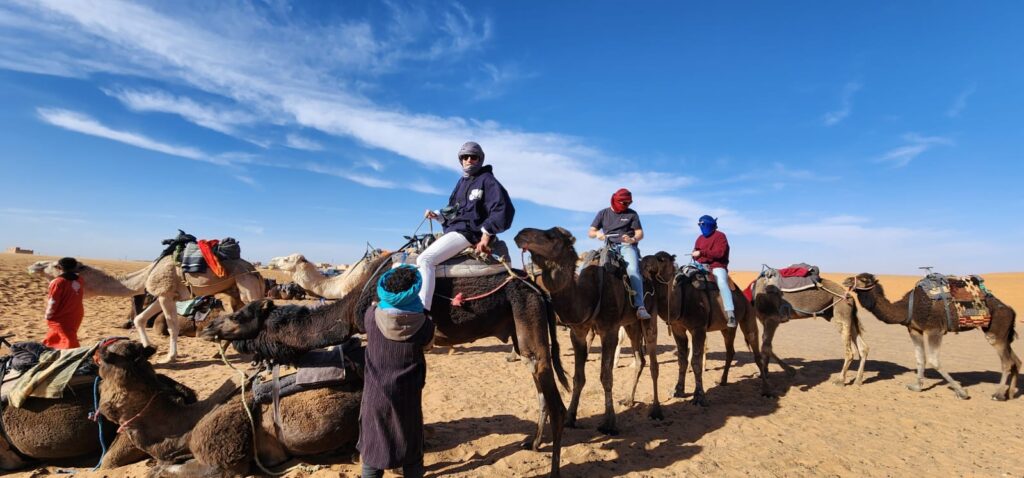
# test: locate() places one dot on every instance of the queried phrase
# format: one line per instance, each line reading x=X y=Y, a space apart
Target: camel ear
x=266 y=307
x=147 y=352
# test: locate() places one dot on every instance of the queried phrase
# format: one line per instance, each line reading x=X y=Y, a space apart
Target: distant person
x=391 y=414
x=64 y=309
x=478 y=209
x=620 y=226
x=712 y=250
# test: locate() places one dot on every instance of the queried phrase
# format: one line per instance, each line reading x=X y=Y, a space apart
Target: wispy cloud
x=496 y=80
x=833 y=118
x=960 y=102
x=293 y=140
x=222 y=119
x=916 y=145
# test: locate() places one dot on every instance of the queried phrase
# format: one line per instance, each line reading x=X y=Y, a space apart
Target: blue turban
x=407 y=300
x=707 y=224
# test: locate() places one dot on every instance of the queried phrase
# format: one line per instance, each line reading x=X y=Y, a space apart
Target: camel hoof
x=656 y=414
x=610 y=431
x=962 y=395
x=791 y=372
x=680 y=394
x=999 y=397
x=571 y=423
x=914 y=387
x=769 y=394
x=512 y=357
x=859 y=382
x=168 y=359
x=626 y=403
x=839 y=382
x=528 y=445
x=699 y=401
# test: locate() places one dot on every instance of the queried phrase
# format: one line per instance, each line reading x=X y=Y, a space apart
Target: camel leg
x=683 y=358
x=700 y=335
x=918 y=339
x=770 y=324
x=536 y=348
x=140 y=321
x=542 y=406
x=632 y=331
x=608 y=342
x=618 y=348
x=862 y=348
x=121 y=452
x=729 y=334
x=845 y=332
x=171 y=314
x=749 y=328
x=1009 y=362
x=934 y=347
x=580 y=350
x=650 y=331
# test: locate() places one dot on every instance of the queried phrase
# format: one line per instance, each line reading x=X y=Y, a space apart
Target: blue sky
x=859 y=137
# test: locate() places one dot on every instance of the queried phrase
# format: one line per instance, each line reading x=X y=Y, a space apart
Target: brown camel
x=689 y=310
x=928 y=324
x=828 y=300
x=507 y=308
x=204 y=439
x=585 y=305
x=59 y=431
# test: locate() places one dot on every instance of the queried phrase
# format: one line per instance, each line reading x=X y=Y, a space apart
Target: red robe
x=64 y=313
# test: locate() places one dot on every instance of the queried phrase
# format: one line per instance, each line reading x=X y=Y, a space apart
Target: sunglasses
x=469 y=157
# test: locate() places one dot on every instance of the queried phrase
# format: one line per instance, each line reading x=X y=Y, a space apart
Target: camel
x=204 y=439
x=688 y=310
x=99 y=283
x=310 y=278
x=927 y=325
x=586 y=306
x=502 y=306
x=59 y=431
x=828 y=300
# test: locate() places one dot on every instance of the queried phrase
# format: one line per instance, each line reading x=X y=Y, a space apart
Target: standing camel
x=927 y=323
x=497 y=306
x=585 y=305
x=688 y=310
x=828 y=300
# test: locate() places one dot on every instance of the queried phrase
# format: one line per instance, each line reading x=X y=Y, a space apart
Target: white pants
x=722 y=278
x=447 y=247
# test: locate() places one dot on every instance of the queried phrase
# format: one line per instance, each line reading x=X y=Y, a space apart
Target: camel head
x=244 y=324
x=552 y=245
x=861 y=283
x=124 y=358
x=660 y=266
x=288 y=263
x=44 y=269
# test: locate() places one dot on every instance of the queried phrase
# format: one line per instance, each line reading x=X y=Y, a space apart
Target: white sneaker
x=641 y=313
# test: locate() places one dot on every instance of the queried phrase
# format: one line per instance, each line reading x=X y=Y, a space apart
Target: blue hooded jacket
x=480 y=202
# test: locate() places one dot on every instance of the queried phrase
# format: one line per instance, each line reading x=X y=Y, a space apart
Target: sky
x=857 y=136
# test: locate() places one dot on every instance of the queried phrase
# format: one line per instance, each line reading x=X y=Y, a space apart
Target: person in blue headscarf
x=712 y=250
x=391 y=413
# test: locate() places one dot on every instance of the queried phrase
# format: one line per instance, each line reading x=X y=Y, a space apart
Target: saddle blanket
x=192 y=259
x=794 y=278
x=462 y=265
x=966 y=295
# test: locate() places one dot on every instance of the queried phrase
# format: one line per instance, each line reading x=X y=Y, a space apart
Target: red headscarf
x=620 y=196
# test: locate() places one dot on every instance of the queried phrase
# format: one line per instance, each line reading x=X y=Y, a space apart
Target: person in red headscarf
x=619 y=226
x=64 y=309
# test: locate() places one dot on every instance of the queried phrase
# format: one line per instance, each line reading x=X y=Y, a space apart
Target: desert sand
x=479 y=408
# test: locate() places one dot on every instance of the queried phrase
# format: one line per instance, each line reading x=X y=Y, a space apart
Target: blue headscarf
x=407 y=300
x=707 y=225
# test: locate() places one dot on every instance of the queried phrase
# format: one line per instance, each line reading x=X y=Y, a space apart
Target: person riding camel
x=620 y=226
x=478 y=209
x=712 y=250
x=64 y=309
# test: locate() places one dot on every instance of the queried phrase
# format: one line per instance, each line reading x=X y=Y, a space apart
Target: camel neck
x=564 y=289
x=100 y=283
x=307 y=276
x=885 y=310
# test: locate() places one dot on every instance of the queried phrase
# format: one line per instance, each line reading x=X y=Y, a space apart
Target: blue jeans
x=722 y=278
x=631 y=254
x=408 y=471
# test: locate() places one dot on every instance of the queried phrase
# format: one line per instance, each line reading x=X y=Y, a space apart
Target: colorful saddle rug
x=964 y=298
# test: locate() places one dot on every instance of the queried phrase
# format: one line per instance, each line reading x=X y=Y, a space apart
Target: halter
x=103 y=345
x=125 y=425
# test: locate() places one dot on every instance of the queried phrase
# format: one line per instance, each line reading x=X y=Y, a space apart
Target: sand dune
x=479 y=408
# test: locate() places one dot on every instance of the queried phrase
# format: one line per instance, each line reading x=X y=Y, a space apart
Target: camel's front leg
x=608 y=342
x=918 y=339
x=650 y=331
x=171 y=313
x=749 y=328
x=729 y=335
x=700 y=335
x=140 y=321
x=934 y=347
x=580 y=348
x=633 y=331
x=682 y=357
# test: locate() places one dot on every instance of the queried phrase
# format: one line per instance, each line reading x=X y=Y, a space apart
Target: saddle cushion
x=192 y=259
x=462 y=265
x=966 y=294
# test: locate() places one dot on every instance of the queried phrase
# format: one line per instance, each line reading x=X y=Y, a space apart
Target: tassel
x=457 y=301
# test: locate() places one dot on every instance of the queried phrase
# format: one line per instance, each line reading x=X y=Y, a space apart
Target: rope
x=252 y=421
x=124 y=425
x=95 y=416
x=458 y=300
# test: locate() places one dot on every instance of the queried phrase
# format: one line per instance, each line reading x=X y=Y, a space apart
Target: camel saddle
x=467 y=263
x=702 y=279
x=963 y=299
x=611 y=260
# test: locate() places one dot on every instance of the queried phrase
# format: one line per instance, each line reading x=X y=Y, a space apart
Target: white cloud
x=496 y=80
x=846 y=105
x=298 y=142
x=960 y=103
x=916 y=145
x=219 y=119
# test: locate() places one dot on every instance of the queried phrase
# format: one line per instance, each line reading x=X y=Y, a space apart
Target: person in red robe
x=64 y=309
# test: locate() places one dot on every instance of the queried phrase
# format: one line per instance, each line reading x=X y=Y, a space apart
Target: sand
x=479 y=408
